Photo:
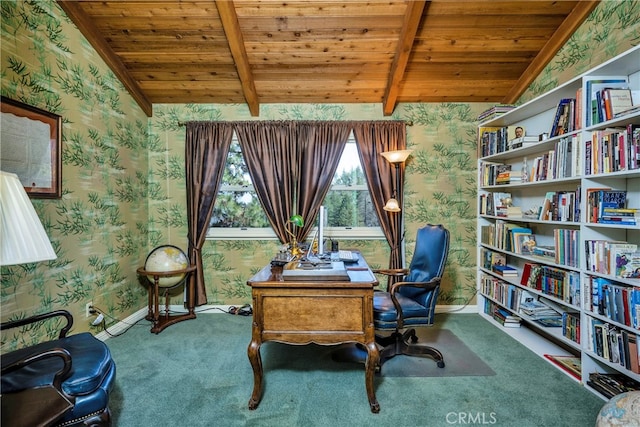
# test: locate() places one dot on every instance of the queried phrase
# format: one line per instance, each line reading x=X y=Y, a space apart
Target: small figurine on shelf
x=525 y=171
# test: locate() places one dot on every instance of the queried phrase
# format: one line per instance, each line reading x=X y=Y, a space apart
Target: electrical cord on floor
x=245 y=310
x=103 y=323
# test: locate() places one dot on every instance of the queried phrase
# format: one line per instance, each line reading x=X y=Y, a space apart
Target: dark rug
x=459 y=360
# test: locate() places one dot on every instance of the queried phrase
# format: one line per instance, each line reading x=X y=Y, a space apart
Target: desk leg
x=256 y=363
x=373 y=357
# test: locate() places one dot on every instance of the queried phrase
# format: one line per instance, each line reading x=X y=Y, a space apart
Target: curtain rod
x=408 y=122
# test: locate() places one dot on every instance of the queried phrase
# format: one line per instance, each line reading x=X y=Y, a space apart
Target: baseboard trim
x=125 y=324
x=457 y=309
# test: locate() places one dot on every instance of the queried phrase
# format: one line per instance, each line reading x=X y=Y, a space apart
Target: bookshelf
x=564 y=212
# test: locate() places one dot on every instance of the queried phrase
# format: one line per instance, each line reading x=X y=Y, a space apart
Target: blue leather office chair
x=77 y=369
x=411 y=300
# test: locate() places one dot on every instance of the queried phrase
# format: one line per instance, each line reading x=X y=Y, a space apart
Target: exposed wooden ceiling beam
x=547 y=53
x=412 y=18
x=74 y=11
x=231 y=26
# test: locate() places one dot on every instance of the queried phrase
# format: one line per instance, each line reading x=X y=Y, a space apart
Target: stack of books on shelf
x=523 y=141
x=505 y=270
x=619 y=259
x=614 y=344
x=539 y=309
x=613 y=149
x=610 y=385
x=608 y=206
x=617 y=302
x=495 y=111
x=506 y=318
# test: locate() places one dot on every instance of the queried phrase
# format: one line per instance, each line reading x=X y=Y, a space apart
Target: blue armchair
x=66 y=381
x=411 y=299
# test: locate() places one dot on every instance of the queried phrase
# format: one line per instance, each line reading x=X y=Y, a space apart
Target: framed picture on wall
x=30 y=147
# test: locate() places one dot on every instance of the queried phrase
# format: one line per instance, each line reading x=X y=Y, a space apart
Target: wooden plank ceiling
x=264 y=51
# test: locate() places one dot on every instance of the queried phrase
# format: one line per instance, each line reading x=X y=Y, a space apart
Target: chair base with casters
x=407 y=343
x=76 y=368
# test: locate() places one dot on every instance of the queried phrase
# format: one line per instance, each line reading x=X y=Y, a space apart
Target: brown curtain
x=206 y=150
x=271 y=152
x=373 y=138
x=322 y=146
x=292 y=164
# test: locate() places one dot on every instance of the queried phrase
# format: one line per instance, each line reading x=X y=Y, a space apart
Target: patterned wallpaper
x=123 y=174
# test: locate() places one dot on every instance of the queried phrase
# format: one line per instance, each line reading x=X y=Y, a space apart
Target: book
x=571 y=364
x=628 y=265
x=616 y=101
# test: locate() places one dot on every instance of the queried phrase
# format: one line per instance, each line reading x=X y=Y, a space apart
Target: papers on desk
x=315 y=271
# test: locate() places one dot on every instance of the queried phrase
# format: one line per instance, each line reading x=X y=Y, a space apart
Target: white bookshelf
x=537 y=116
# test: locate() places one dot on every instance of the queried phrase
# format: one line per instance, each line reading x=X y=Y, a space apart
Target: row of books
x=613 y=149
x=618 y=302
x=607 y=98
x=557 y=282
x=616 y=345
x=507 y=294
x=608 y=206
x=571 y=326
x=563 y=161
x=567 y=246
x=561 y=206
x=610 y=385
x=614 y=258
x=601 y=105
x=499 y=204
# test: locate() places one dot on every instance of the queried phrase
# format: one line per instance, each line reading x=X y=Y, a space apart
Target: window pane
x=239 y=209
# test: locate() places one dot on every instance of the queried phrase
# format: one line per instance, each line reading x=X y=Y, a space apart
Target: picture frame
x=31 y=147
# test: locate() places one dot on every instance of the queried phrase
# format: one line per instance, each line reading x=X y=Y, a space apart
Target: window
x=238 y=214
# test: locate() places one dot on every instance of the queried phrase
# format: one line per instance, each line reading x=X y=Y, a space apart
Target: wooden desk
x=321 y=312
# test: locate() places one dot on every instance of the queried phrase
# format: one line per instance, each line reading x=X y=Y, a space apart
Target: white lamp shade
x=392 y=206
x=22 y=236
x=397 y=156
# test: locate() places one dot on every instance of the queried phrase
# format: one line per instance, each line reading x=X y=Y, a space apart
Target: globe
x=163 y=259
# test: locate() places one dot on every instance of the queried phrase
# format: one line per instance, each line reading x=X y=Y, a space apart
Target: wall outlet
x=87 y=309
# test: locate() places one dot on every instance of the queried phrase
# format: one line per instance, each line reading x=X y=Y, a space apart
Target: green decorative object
x=297 y=221
x=164 y=259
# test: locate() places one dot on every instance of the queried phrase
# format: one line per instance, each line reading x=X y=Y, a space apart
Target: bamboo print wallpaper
x=124 y=179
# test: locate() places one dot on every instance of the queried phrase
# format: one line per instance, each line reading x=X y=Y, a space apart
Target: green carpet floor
x=196 y=373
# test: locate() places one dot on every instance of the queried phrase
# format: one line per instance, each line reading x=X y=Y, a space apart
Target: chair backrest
x=429 y=259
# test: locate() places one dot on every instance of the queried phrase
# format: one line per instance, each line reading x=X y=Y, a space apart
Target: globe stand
x=160 y=322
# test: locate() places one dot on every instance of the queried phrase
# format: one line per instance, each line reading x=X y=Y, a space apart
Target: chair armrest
x=425 y=285
x=59 y=376
x=392 y=271
x=431 y=284
x=40 y=317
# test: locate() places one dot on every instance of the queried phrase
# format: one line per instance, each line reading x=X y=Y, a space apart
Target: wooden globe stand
x=162 y=321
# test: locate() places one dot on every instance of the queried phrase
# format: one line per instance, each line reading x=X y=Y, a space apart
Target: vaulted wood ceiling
x=264 y=51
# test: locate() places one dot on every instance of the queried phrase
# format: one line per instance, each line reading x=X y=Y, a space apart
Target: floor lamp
x=396 y=158
x=23 y=237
